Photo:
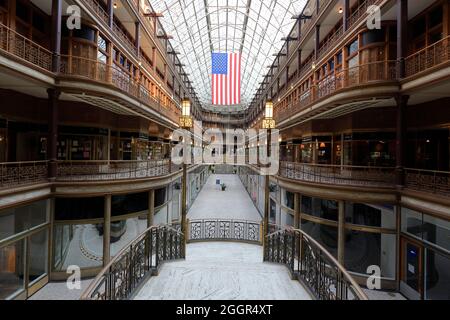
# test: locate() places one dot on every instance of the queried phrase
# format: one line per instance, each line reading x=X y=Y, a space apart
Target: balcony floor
x=222 y=271
x=233 y=203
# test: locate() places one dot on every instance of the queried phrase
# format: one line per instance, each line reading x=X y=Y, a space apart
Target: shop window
x=365 y=249
x=85 y=33
x=79 y=208
x=20 y=219
x=326 y=235
x=373 y=36
x=412 y=222
x=418 y=28
x=160 y=197
x=12 y=267
x=435 y=17
x=437 y=276
x=380 y=216
x=289 y=199
x=22 y=11
x=353 y=47
x=67 y=249
x=101 y=43
x=128 y=204
x=38 y=256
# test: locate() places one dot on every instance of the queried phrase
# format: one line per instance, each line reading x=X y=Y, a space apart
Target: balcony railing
x=101 y=72
x=224 y=230
x=437 y=182
x=360 y=75
x=429 y=57
x=135 y=263
x=339 y=175
x=112 y=170
x=22 y=173
x=24 y=48
x=312 y=265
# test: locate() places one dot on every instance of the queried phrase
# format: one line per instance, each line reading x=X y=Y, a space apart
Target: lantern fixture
x=186 y=107
x=269 y=109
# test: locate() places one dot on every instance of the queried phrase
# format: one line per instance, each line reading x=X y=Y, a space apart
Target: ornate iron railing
x=224 y=230
x=112 y=170
x=437 y=182
x=135 y=263
x=22 y=173
x=429 y=57
x=24 y=48
x=339 y=175
x=99 y=71
x=312 y=265
x=364 y=74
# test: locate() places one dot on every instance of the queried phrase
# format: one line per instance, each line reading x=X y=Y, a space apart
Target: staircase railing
x=135 y=263
x=312 y=265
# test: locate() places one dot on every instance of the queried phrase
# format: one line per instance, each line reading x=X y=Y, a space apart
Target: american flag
x=226 y=78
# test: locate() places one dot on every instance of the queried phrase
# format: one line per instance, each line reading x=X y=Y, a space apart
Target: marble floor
x=233 y=203
x=222 y=271
x=59 y=291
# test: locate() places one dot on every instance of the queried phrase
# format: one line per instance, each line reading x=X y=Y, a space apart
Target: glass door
x=411 y=284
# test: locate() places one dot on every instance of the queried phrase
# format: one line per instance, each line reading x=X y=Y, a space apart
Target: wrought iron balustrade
x=22 y=173
x=96 y=70
x=112 y=170
x=312 y=265
x=339 y=175
x=223 y=230
x=437 y=182
x=369 y=73
x=427 y=58
x=24 y=48
x=135 y=263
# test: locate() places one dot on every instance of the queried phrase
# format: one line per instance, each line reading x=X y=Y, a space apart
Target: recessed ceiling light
x=341 y=10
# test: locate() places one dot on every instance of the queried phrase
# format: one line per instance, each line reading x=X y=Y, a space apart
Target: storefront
x=424 y=256
x=24 y=248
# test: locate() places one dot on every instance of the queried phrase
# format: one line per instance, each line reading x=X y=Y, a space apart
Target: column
x=109 y=146
x=53 y=97
x=345 y=14
x=56 y=33
x=400 y=147
x=297 y=210
x=299 y=61
x=137 y=36
x=107 y=230
x=151 y=208
x=154 y=58
x=266 y=192
x=341 y=232
x=287 y=77
x=110 y=11
x=317 y=42
x=402 y=36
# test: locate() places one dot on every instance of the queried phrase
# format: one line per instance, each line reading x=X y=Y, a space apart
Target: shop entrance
x=411 y=274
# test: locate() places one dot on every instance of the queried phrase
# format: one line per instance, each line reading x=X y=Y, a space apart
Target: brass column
x=297 y=208
x=183 y=204
x=151 y=208
x=266 y=193
x=107 y=230
x=341 y=232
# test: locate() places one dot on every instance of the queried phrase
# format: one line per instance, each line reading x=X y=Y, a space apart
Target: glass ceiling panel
x=253 y=28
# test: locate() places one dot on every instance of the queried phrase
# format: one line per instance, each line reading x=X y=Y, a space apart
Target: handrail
x=428 y=57
x=437 y=182
x=99 y=71
x=136 y=262
x=363 y=74
x=312 y=264
x=21 y=173
x=339 y=175
x=113 y=170
x=24 y=48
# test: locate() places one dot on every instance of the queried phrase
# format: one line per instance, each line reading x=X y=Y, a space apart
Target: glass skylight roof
x=253 y=28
